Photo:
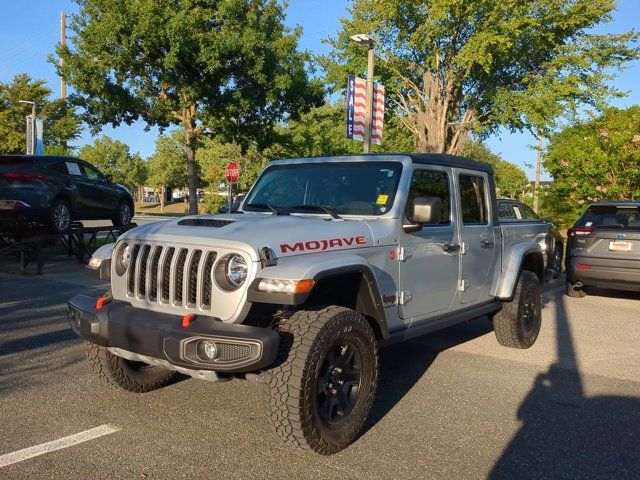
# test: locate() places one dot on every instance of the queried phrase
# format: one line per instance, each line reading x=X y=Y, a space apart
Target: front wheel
x=132 y=376
x=60 y=216
x=124 y=215
x=517 y=324
x=320 y=393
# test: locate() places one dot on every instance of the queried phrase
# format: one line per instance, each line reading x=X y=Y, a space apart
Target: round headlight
x=123 y=258
x=231 y=272
x=236 y=270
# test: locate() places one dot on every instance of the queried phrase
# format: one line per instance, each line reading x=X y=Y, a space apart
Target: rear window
x=611 y=217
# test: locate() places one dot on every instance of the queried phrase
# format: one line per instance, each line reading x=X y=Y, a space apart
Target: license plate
x=619 y=246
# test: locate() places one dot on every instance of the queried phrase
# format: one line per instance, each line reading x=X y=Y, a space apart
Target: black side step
x=440 y=322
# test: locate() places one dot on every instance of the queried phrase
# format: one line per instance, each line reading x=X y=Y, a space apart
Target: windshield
x=348 y=188
x=611 y=217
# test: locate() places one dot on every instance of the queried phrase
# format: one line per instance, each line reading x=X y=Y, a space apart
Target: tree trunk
x=189 y=122
x=162 y=195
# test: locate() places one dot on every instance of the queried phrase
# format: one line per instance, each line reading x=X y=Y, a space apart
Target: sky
x=29 y=32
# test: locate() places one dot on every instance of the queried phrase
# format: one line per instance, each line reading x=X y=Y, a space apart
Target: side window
x=59 y=167
x=473 y=200
x=506 y=212
x=430 y=183
x=90 y=172
x=528 y=213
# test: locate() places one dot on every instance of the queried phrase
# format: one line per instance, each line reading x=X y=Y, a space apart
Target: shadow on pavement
x=402 y=365
x=41 y=340
x=564 y=433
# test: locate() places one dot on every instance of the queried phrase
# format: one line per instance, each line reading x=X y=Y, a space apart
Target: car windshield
x=612 y=217
x=345 y=188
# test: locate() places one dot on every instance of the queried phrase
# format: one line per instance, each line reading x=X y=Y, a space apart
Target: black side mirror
x=426 y=211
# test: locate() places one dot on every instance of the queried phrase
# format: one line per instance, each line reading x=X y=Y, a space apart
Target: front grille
x=168 y=275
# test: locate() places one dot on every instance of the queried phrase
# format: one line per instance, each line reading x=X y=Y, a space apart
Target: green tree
x=226 y=69
x=61 y=124
x=597 y=159
x=322 y=131
x=167 y=167
x=214 y=156
x=114 y=158
x=453 y=67
x=511 y=180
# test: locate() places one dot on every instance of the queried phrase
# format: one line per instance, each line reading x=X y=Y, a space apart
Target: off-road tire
x=131 y=376
x=575 y=292
x=517 y=324
x=290 y=388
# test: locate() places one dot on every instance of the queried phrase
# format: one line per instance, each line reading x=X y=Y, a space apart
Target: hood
x=286 y=234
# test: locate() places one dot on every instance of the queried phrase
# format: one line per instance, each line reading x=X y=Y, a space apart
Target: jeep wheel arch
x=522 y=256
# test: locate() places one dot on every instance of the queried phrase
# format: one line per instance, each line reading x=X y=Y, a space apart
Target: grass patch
x=173 y=209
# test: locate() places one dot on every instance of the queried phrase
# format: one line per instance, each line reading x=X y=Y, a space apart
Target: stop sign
x=232 y=172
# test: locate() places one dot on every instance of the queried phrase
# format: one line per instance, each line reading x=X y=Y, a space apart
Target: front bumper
x=161 y=336
x=604 y=273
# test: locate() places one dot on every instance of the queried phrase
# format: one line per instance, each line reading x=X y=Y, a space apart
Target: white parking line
x=75 y=439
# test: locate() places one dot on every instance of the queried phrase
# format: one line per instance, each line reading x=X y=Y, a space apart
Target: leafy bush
x=212 y=203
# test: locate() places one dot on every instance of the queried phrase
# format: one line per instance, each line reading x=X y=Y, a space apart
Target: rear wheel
x=517 y=324
x=319 y=395
x=124 y=215
x=60 y=216
x=132 y=376
x=575 y=292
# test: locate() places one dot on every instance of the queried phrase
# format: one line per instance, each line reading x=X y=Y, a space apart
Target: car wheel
x=60 y=216
x=575 y=292
x=556 y=261
x=320 y=393
x=125 y=213
x=132 y=376
x=517 y=324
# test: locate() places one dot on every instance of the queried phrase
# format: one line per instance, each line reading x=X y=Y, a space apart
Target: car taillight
x=581 y=231
x=21 y=176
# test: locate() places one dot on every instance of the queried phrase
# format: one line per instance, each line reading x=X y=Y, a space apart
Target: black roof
x=447 y=160
x=441 y=159
x=617 y=203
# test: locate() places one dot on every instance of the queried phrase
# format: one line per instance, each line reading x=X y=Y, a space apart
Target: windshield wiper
x=318 y=208
x=264 y=206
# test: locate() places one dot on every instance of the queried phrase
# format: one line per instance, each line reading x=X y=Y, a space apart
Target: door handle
x=449 y=247
x=486 y=243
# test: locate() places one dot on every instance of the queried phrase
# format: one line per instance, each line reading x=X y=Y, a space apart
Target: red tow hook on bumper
x=186 y=320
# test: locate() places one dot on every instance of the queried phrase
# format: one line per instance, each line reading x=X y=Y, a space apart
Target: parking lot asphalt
x=450 y=405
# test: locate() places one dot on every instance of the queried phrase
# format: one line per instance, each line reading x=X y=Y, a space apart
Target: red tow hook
x=102 y=301
x=186 y=320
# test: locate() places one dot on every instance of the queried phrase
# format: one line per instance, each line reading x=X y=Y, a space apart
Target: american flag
x=357 y=108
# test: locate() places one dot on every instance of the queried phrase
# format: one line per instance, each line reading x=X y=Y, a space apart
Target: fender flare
x=369 y=300
x=513 y=265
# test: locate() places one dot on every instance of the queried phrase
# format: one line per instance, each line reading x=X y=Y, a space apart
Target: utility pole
x=536 y=186
x=364 y=39
x=63 y=42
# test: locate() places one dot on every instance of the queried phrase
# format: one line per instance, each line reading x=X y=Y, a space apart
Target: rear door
x=609 y=235
x=478 y=236
x=104 y=194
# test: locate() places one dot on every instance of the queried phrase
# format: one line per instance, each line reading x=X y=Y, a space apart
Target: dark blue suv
x=55 y=191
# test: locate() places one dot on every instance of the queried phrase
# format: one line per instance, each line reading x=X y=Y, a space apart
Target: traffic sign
x=232 y=172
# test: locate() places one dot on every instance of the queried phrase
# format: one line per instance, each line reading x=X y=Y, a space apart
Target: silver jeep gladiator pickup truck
x=327 y=260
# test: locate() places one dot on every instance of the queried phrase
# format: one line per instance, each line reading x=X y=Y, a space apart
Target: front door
x=430 y=263
x=478 y=237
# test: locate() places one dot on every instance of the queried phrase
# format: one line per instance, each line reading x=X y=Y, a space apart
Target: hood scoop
x=204 y=222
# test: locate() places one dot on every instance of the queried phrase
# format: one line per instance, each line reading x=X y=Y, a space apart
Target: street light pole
x=31 y=147
x=369 y=118
x=364 y=39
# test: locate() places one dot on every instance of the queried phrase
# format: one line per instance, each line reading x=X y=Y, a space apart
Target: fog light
x=210 y=349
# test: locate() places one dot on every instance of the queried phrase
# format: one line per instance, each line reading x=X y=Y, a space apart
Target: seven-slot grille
x=178 y=276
